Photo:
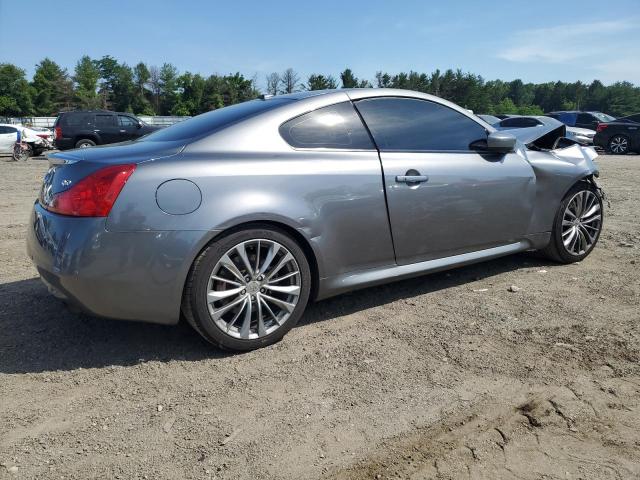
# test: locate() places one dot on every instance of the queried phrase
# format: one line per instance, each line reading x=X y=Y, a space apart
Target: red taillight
x=93 y=196
x=58 y=132
x=43 y=135
x=601 y=127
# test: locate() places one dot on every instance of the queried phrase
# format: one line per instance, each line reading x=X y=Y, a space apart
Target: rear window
x=212 y=121
x=603 y=117
x=336 y=127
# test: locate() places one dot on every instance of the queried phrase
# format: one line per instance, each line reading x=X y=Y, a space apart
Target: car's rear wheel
x=619 y=145
x=248 y=289
x=577 y=225
x=85 y=143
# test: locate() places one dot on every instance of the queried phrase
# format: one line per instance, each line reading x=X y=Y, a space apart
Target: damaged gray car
x=239 y=217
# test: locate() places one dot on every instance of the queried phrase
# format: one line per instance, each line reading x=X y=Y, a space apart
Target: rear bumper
x=121 y=275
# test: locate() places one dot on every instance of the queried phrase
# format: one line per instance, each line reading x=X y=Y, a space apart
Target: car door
x=129 y=127
x=443 y=197
x=8 y=138
x=107 y=128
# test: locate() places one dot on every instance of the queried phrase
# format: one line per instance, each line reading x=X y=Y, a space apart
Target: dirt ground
x=445 y=376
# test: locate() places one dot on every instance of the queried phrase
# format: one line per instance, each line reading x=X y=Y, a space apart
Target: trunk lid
x=68 y=167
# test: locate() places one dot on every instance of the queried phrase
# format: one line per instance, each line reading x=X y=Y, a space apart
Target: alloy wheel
x=619 y=145
x=253 y=289
x=581 y=222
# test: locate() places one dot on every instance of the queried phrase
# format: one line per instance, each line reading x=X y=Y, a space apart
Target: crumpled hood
x=543 y=135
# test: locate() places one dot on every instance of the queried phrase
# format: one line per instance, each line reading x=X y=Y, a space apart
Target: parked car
x=87 y=128
x=583 y=136
x=578 y=119
x=239 y=216
x=620 y=136
x=9 y=136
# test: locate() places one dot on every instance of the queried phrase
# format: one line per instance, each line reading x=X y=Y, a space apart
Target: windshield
x=211 y=121
x=603 y=117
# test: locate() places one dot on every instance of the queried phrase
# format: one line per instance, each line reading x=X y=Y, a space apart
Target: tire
x=22 y=155
x=253 y=295
x=37 y=152
x=84 y=143
x=618 y=145
x=565 y=231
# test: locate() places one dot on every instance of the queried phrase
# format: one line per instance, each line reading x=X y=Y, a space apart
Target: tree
x=289 y=81
x=506 y=106
x=273 y=83
x=140 y=103
x=320 y=82
x=168 y=88
x=351 y=81
x=52 y=87
x=156 y=87
x=15 y=92
x=87 y=74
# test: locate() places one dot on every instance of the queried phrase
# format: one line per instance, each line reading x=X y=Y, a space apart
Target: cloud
x=589 y=46
x=566 y=42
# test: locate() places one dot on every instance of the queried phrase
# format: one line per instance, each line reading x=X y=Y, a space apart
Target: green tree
x=506 y=107
x=140 y=103
x=86 y=76
x=168 y=88
x=52 y=87
x=15 y=92
x=349 y=80
x=320 y=82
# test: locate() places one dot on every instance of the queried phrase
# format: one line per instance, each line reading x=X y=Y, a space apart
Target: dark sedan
x=620 y=136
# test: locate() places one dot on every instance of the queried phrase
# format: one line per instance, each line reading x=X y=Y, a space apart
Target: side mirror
x=501 y=142
x=139 y=125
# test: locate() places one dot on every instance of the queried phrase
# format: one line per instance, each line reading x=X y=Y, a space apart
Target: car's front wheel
x=619 y=145
x=248 y=289
x=577 y=225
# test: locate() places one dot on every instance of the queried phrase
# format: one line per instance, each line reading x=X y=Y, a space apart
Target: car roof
x=95 y=111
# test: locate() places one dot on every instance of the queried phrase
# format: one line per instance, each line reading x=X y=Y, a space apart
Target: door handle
x=123 y=131
x=411 y=178
x=96 y=131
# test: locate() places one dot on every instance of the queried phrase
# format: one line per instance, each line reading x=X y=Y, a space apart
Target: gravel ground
x=445 y=376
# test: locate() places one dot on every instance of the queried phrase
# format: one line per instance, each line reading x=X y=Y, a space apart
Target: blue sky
x=536 y=41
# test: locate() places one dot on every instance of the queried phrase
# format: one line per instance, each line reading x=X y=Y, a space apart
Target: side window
x=76 y=120
x=585 y=118
x=126 y=121
x=105 y=120
x=407 y=124
x=520 y=122
x=8 y=130
x=567 y=118
x=3 y=130
x=335 y=126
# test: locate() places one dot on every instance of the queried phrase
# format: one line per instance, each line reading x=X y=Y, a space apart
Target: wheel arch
x=88 y=136
x=294 y=233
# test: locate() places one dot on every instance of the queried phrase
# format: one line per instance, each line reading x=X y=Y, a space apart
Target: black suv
x=86 y=128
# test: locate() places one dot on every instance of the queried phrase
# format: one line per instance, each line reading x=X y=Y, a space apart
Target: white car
x=9 y=136
x=581 y=135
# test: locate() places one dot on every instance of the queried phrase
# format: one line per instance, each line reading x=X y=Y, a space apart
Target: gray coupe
x=237 y=218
